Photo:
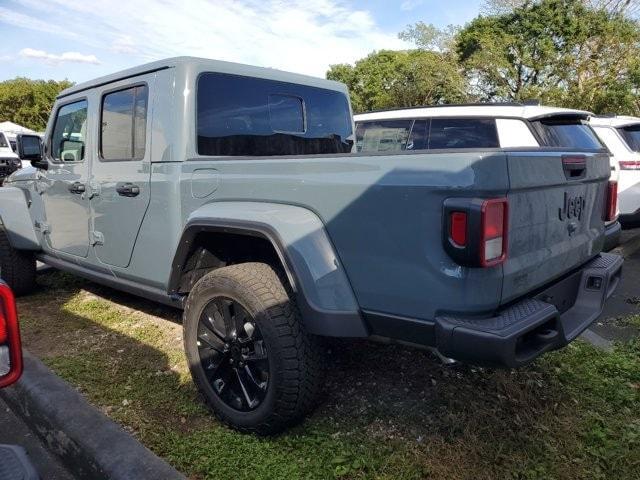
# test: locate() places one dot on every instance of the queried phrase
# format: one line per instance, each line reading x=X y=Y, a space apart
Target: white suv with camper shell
x=487 y=125
x=621 y=135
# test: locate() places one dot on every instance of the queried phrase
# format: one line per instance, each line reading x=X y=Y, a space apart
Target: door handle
x=128 y=190
x=77 y=188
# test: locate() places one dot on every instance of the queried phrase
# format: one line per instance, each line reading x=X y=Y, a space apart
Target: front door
x=120 y=176
x=64 y=185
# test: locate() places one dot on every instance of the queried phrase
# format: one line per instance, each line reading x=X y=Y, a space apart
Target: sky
x=83 y=39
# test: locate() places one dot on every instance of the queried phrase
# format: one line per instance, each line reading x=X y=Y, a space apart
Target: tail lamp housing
x=629 y=164
x=10 y=347
x=475 y=231
x=611 y=202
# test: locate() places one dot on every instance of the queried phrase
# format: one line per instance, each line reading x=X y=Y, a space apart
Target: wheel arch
x=304 y=252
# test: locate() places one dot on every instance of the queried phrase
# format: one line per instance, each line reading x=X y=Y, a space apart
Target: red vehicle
x=10 y=347
x=14 y=463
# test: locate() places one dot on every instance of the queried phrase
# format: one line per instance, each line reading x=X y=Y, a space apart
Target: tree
x=28 y=102
x=631 y=8
x=406 y=78
x=560 y=51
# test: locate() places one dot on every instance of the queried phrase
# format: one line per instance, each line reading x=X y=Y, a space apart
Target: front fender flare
x=16 y=220
x=323 y=292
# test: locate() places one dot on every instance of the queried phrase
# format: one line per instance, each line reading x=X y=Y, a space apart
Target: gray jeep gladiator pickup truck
x=232 y=192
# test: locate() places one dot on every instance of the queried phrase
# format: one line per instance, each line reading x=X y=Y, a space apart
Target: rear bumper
x=527 y=329
x=612 y=234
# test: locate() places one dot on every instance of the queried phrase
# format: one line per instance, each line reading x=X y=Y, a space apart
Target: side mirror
x=10 y=347
x=30 y=148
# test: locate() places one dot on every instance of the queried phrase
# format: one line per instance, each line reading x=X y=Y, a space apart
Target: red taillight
x=629 y=164
x=458 y=229
x=3 y=329
x=611 y=207
x=9 y=336
x=493 y=234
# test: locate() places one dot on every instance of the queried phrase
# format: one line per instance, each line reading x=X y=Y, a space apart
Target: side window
x=3 y=141
x=463 y=133
x=419 y=138
x=70 y=132
x=383 y=135
x=124 y=124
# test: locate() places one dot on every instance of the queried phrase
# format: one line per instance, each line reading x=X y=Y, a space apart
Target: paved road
x=626 y=300
x=14 y=431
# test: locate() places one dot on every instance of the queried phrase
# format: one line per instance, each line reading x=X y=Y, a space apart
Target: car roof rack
x=476 y=104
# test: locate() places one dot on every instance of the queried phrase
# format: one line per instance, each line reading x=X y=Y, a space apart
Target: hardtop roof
x=209 y=65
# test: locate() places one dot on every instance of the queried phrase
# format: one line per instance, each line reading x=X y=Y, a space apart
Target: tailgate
x=556 y=204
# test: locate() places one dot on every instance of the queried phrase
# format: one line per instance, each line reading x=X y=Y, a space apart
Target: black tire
x=17 y=267
x=292 y=357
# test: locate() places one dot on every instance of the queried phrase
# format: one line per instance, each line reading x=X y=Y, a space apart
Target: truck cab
x=233 y=192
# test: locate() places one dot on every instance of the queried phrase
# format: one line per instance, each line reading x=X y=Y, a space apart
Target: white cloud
x=17 y=19
x=73 y=57
x=304 y=36
x=124 y=44
x=408 y=5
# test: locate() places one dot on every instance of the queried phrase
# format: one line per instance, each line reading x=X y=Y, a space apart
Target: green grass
x=388 y=413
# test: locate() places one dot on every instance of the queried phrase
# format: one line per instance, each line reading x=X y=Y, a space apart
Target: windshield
x=631 y=135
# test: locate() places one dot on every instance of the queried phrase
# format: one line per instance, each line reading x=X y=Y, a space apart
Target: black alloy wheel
x=233 y=354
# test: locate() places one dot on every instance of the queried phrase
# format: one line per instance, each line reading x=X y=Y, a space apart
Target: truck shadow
x=387 y=392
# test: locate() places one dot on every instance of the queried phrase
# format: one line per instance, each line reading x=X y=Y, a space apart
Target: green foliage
x=573 y=53
x=28 y=102
x=405 y=78
x=560 y=51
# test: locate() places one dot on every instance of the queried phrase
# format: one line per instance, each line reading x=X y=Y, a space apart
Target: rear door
x=556 y=205
x=120 y=176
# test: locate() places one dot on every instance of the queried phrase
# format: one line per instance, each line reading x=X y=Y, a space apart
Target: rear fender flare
x=317 y=277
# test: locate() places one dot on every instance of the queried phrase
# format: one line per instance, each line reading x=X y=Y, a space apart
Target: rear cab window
x=566 y=132
x=426 y=134
x=246 y=116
